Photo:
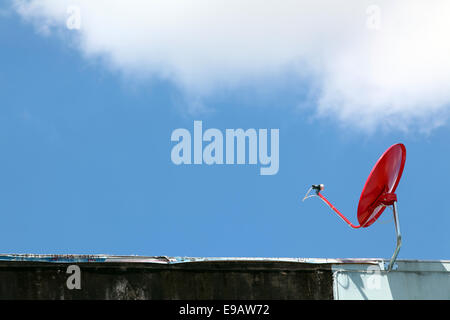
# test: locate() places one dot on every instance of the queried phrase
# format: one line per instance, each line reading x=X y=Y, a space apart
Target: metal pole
x=399 y=237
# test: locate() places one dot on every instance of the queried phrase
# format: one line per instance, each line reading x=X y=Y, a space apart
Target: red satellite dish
x=378 y=192
x=381 y=185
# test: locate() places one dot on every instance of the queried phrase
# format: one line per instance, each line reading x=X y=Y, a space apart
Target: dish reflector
x=382 y=180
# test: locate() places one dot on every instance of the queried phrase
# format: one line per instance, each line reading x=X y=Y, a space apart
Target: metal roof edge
x=80 y=258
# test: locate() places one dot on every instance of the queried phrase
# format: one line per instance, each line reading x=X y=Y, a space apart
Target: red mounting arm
x=337 y=211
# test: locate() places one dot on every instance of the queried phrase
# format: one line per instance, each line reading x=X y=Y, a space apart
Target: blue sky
x=86 y=168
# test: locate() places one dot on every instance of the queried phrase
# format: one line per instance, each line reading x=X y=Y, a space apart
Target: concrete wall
x=191 y=280
x=109 y=277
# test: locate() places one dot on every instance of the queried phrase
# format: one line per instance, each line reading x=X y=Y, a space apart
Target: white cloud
x=363 y=75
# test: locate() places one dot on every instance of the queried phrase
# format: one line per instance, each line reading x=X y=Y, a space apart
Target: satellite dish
x=378 y=192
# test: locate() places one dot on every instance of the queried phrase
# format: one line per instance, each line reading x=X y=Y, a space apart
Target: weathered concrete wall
x=191 y=280
x=133 y=277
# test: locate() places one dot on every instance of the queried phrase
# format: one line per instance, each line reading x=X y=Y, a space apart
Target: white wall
x=411 y=280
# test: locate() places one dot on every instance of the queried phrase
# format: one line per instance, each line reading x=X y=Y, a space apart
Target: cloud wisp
x=369 y=64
